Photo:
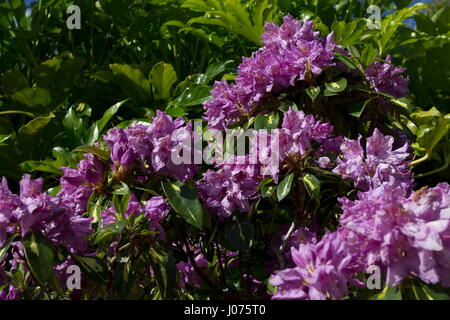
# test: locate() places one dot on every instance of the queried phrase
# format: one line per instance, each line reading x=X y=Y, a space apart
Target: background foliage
x=61 y=89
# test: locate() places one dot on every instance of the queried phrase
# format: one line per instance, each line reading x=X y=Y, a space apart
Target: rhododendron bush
x=320 y=203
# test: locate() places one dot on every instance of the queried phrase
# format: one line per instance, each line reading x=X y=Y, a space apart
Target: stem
x=17 y=111
x=416 y=162
x=298 y=214
x=429 y=173
x=222 y=271
x=283 y=245
x=194 y=265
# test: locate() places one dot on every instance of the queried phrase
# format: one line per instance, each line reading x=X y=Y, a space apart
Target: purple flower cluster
x=321 y=271
x=153 y=146
x=377 y=164
x=386 y=78
x=78 y=184
x=291 y=52
x=291 y=141
x=33 y=209
x=231 y=187
x=235 y=181
x=298 y=131
x=404 y=235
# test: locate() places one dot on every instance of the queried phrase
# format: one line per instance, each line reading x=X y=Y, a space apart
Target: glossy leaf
x=184 y=200
x=336 y=86
x=313 y=92
x=162 y=78
x=39 y=255
x=284 y=188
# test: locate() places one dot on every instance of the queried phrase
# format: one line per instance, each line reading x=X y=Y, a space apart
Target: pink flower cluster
x=291 y=52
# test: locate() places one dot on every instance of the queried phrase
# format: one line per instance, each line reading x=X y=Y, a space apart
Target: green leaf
x=43 y=166
x=284 y=187
x=124 y=277
x=213 y=70
x=368 y=55
x=74 y=124
x=121 y=205
x=233 y=16
x=96 y=129
x=4 y=249
x=193 y=97
x=32 y=141
x=390 y=293
x=404 y=103
x=94 y=209
x=328 y=93
x=162 y=78
x=100 y=153
x=175 y=111
x=267 y=121
x=426 y=292
x=13 y=81
x=164 y=268
x=34 y=126
x=239 y=233
x=336 y=86
x=267 y=188
x=312 y=185
x=353 y=51
x=184 y=200
x=54 y=191
x=346 y=60
x=313 y=92
x=430 y=135
x=357 y=108
x=422 y=117
x=39 y=255
x=4 y=138
x=94 y=267
x=132 y=82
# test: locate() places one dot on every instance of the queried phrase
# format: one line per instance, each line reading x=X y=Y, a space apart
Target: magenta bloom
x=78 y=184
x=402 y=235
x=296 y=136
x=322 y=271
x=166 y=136
x=122 y=155
x=156 y=209
x=149 y=148
x=231 y=187
x=37 y=210
x=291 y=52
x=386 y=78
x=375 y=165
